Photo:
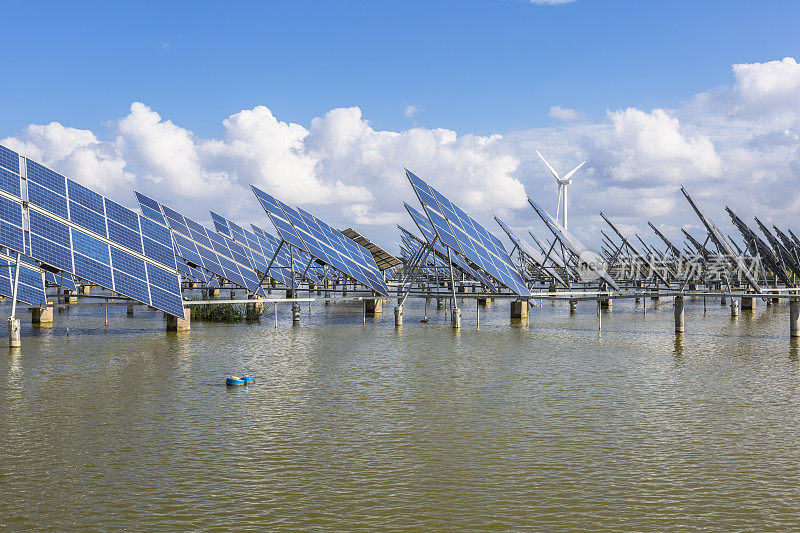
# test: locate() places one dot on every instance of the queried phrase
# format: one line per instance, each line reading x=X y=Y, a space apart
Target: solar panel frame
x=464 y=235
x=52 y=227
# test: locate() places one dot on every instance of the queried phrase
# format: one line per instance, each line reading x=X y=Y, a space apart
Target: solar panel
x=306 y=232
x=252 y=246
x=303 y=263
x=68 y=229
x=467 y=237
x=524 y=248
x=31 y=281
x=201 y=247
x=427 y=231
x=572 y=243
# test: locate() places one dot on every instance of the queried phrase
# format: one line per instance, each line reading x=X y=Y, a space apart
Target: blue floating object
x=248 y=379
x=233 y=381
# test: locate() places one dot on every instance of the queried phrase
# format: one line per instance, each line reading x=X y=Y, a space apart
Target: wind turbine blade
x=552 y=170
x=571 y=172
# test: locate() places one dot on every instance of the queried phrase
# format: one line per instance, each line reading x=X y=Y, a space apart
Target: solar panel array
x=304 y=264
x=306 y=232
x=525 y=249
x=259 y=255
x=201 y=247
x=465 y=236
x=427 y=231
x=76 y=230
x=572 y=243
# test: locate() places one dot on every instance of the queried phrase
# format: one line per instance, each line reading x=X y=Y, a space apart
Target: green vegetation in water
x=225 y=312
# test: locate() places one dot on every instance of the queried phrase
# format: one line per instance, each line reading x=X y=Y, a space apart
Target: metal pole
x=16 y=286
x=276 y=314
x=106 y=312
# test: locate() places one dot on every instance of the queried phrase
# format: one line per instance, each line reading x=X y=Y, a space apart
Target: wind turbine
x=562 y=188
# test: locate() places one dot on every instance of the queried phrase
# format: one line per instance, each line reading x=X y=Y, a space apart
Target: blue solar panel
x=285 y=230
x=9 y=159
x=77 y=230
x=247 y=244
x=427 y=232
x=150 y=208
x=270 y=244
x=9 y=182
x=31 y=282
x=465 y=236
x=325 y=244
x=201 y=247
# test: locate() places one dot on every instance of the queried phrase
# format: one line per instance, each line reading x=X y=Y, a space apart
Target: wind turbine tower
x=561 y=207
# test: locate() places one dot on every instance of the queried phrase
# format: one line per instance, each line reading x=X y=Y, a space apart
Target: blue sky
x=481 y=67
x=324 y=104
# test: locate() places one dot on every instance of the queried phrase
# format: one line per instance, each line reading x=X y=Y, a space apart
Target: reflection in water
x=353 y=426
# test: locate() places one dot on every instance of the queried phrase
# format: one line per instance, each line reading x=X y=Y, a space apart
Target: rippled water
x=353 y=426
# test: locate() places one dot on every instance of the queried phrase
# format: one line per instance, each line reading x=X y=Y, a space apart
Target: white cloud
x=738 y=145
x=564 y=113
x=411 y=111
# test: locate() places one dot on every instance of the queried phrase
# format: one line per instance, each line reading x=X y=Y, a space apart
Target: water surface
x=360 y=427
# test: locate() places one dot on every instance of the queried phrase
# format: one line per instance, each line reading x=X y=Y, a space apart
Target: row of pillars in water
x=372 y=307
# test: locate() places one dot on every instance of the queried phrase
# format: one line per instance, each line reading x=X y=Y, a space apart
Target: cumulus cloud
x=411 y=111
x=738 y=145
x=564 y=113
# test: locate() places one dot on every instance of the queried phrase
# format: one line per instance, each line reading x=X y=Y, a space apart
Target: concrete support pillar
x=175 y=323
x=439 y=304
x=213 y=293
x=794 y=318
x=693 y=286
x=42 y=316
x=485 y=302
x=519 y=310
x=257 y=307
x=461 y=288
x=295 y=312
x=748 y=303
x=734 y=307
x=130 y=309
x=776 y=301
x=86 y=289
x=455 y=318
x=573 y=307
x=14 y=336
x=723 y=300
x=606 y=303
x=679 y=324
x=289 y=294
x=398 y=316
x=69 y=296
x=374 y=307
